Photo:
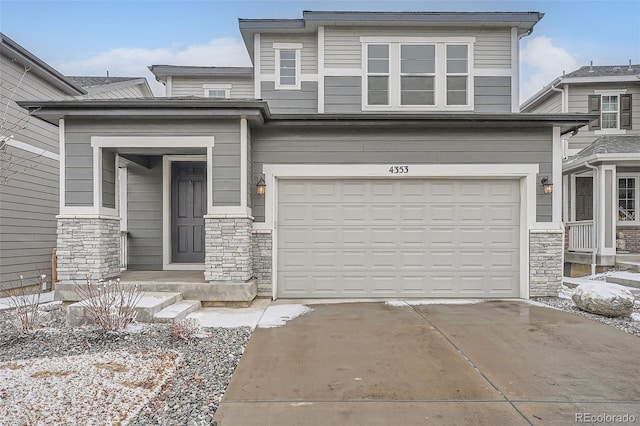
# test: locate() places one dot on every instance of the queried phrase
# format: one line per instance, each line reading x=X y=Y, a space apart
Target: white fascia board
x=244 y=155
x=152 y=141
x=287 y=45
x=62 y=164
x=515 y=67
x=257 y=94
x=603 y=79
x=32 y=149
x=217 y=86
x=400 y=39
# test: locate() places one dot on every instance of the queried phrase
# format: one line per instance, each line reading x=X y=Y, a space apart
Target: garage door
x=398 y=238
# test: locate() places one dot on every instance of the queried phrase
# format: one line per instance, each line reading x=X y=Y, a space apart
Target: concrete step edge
x=177 y=311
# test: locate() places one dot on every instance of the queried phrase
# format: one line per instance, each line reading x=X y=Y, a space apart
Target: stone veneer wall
x=631 y=237
x=88 y=246
x=261 y=248
x=228 y=254
x=545 y=262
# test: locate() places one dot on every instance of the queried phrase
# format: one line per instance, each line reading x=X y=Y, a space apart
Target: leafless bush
x=185 y=329
x=24 y=314
x=111 y=305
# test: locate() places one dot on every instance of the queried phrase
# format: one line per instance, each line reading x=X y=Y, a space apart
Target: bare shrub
x=24 y=314
x=110 y=304
x=185 y=329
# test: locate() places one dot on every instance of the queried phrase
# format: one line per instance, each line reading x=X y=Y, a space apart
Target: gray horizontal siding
x=403 y=146
x=241 y=87
x=226 y=153
x=308 y=54
x=144 y=216
x=303 y=101
x=343 y=49
x=108 y=179
x=551 y=105
x=342 y=95
x=492 y=94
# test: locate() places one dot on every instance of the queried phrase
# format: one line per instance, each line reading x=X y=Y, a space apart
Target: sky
x=124 y=37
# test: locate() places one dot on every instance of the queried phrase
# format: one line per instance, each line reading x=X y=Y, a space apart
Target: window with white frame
x=217 y=91
x=627 y=198
x=613 y=108
x=417 y=73
x=287 y=64
x=609 y=112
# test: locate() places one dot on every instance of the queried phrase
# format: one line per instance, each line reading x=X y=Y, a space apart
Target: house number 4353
x=395 y=170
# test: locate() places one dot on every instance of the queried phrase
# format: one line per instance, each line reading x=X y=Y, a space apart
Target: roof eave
x=599 y=158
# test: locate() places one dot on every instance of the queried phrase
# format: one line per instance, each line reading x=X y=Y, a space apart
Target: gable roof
x=94 y=85
x=587 y=74
x=162 y=71
x=13 y=50
x=86 y=81
x=311 y=20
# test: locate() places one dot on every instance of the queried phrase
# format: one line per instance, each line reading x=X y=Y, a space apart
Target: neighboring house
x=379 y=155
x=601 y=173
x=112 y=87
x=29 y=201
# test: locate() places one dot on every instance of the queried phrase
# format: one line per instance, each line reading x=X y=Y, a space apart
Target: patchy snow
x=278 y=315
x=635 y=316
x=8 y=303
x=227 y=317
x=102 y=388
x=625 y=274
x=432 y=302
x=604 y=290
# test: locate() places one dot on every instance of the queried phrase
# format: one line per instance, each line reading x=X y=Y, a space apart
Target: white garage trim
x=526 y=173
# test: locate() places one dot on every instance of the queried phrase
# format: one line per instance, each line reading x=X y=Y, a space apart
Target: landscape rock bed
x=190 y=396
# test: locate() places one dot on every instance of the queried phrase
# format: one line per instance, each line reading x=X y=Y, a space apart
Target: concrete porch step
x=627 y=281
x=177 y=311
x=629 y=265
x=149 y=304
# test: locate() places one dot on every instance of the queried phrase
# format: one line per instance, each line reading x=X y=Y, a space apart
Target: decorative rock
x=610 y=300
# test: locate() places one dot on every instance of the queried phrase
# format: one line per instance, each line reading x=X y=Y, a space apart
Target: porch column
x=606 y=204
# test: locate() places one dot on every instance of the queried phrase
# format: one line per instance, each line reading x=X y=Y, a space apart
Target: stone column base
x=545 y=262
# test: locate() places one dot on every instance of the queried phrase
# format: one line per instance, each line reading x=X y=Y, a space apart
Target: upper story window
x=287 y=57
x=614 y=108
x=217 y=91
x=417 y=73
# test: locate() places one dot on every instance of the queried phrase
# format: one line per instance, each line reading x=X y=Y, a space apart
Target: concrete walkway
x=489 y=363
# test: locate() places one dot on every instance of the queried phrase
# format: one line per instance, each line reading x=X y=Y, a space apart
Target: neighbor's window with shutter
x=614 y=110
x=609 y=112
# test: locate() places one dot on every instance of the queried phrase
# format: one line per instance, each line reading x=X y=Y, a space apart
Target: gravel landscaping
x=190 y=396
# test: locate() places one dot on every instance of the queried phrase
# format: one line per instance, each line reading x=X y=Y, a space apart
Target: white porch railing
x=581 y=235
x=124 y=249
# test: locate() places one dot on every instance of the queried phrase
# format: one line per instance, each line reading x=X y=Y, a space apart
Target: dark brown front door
x=188 y=206
x=584 y=198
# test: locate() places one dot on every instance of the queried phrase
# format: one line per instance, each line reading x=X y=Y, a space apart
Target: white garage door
x=399 y=238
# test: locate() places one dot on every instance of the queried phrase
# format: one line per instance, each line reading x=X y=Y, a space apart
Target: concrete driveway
x=488 y=363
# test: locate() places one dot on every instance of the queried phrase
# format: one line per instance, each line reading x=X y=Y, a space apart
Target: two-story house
x=29 y=159
x=602 y=167
x=365 y=154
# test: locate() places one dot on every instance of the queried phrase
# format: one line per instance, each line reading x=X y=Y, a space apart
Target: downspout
x=595 y=216
x=555 y=89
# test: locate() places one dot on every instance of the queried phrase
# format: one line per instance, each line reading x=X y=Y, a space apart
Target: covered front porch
x=601 y=206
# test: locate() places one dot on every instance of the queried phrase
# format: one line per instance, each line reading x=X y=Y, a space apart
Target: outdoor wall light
x=547 y=186
x=261 y=186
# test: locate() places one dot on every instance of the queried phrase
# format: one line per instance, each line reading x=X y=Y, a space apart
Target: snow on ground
x=102 y=388
x=635 y=316
x=278 y=315
x=432 y=302
x=7 y=302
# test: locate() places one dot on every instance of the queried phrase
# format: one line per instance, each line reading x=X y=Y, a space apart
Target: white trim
x=527 y=173
x=32 y=149
x=556 y=175
x=168 y=90
x=625 y=156
x=343 y=72
x=124 y=198
x=229 y=211
x=86 y=216
x=430 y=40
x=302 y=78
x=209 y=179
x=78 y=210
x=223 y=87
x=572 y=217
x=257 y=94
x=167 y=265
x=151 y=141
x=603 y=79
x=515 y=70
x=610 y=92
x=627 y=175
x=493 y=72
x=244 y=144
x=565 y=99
x=611 y=131
x=320 y=76
x=97 y=178
x=297 y=51
x=565 y=198
x=62 y=165
x=287 y=46
x=612 y=207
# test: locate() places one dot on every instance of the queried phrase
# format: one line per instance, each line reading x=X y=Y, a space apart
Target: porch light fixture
x=547 y=186
x=261 y=186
